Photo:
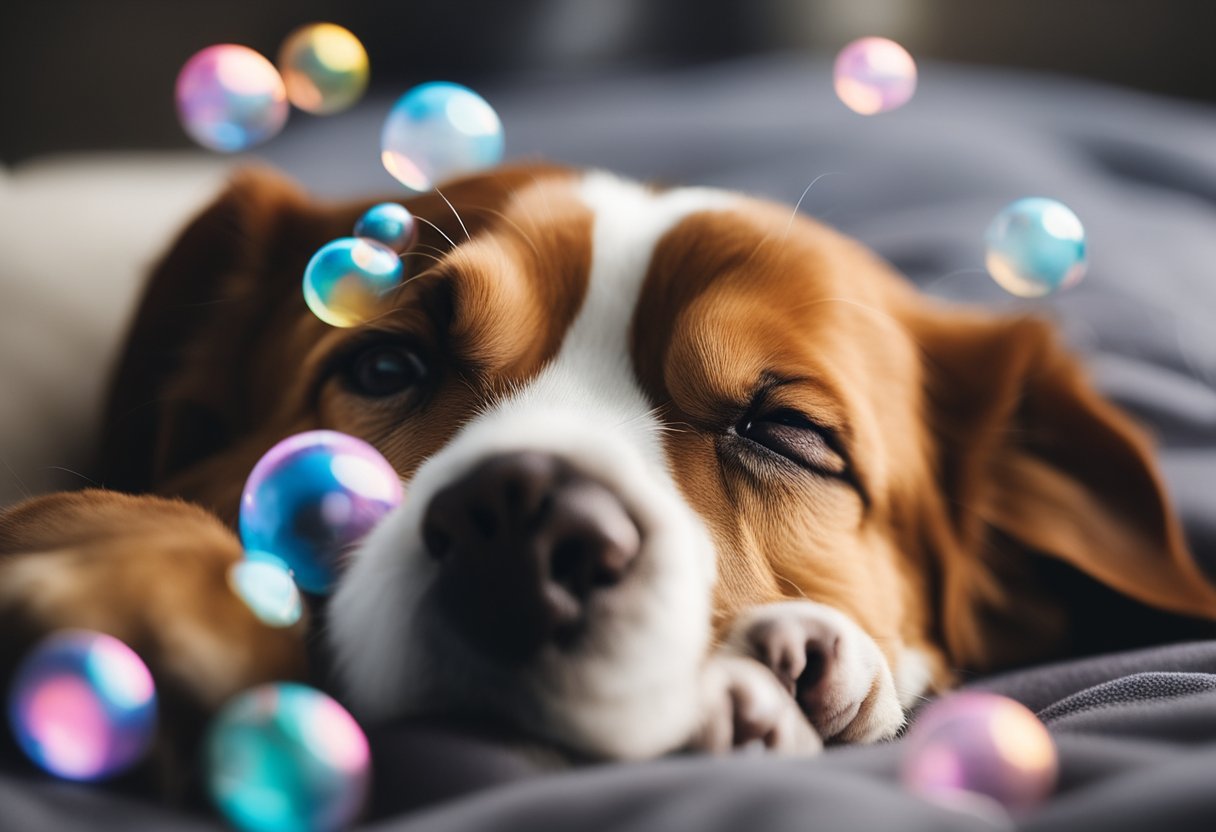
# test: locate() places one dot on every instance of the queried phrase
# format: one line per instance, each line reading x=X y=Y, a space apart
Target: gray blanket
x=1136 y=731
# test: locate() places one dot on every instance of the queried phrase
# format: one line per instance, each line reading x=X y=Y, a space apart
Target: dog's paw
x=151 y=572
x=745 y=708
x=828 y=664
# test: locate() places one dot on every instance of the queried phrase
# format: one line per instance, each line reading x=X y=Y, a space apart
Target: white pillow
x=77 y=236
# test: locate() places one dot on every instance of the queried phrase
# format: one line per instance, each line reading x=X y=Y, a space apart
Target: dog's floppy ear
x=1035 y=466
x=183 y=390
x=214 y=275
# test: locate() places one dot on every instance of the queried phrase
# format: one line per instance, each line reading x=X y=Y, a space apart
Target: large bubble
x=438 y=130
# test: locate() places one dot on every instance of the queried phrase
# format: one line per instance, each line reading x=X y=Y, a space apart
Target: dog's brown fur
x=1001 y=511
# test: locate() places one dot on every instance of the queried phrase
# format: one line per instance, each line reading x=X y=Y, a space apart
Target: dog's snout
x=524 y=541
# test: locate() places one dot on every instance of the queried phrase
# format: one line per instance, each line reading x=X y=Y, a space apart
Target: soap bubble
x=980 y=745
x=874 y=75
x=265 y=584
x=390 y=224
x=83 y=706
x=1036 y=246
x=286 y=756
x=324 y=68
x=346 y=280
x=312 y=497
x=230 y=98
x=438 y=130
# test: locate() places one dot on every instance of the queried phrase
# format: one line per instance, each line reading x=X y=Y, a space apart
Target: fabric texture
x=1136 y=731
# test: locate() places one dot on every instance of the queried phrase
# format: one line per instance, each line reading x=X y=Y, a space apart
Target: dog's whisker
x=433 y=257
x=882 y=315
x=513 y=223
x=971 y=271
x=17 y=478
x=769 y=238
x=419 y=276
x=436 y=249
x=456 y=213
x=795 y=586
x=654 y=411
x=87 y=479
x=442 y=233
x=806 y=191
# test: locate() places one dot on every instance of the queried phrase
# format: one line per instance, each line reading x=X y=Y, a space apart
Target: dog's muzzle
x=523 y=541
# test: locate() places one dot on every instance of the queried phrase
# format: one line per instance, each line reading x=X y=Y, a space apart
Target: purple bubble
x=83 y=706
x=311 y=498
x=980 y=744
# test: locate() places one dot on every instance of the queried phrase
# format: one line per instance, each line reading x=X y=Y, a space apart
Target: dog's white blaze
x=592 y=373
x=633 y=691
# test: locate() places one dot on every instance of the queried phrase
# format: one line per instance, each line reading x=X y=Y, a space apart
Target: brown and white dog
x=683 y=469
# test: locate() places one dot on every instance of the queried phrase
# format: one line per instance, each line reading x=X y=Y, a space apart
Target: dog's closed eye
x=792 y=435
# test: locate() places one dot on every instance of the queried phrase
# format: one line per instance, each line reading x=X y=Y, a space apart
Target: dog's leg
x=149 y=571
x=828 y=664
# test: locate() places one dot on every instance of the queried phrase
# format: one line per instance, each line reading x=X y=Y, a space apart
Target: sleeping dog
x=683 y=470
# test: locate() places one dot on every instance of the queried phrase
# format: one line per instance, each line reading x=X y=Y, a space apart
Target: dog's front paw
x=744 y=707
x=149 y=571
x=828 y=664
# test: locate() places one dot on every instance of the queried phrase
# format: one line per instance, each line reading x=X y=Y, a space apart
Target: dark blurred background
x=98 y=74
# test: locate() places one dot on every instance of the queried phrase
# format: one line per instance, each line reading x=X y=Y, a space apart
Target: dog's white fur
x=634 y=688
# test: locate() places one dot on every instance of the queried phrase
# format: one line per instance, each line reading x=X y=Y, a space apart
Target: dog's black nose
x=523 y=542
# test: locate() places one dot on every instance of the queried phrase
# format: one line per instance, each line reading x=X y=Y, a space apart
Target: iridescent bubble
x=83 y=706
x=230 y=98
x=981 y=745
x=286 y=756
x=1036 y=246
x=265 y=584
x=388 y=223
x=438 y=130
x=874 y=75
x=345 y=281
x=311 y=498
x=324 y=67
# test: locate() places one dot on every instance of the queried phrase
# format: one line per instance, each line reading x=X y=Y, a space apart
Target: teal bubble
x=1036 y=246
x=285 y=756
x=346 y=280
x=267 y=588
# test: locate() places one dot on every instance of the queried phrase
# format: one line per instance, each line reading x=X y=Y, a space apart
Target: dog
x=684 y=470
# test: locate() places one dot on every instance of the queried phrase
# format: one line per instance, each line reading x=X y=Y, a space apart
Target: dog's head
x=627 y=415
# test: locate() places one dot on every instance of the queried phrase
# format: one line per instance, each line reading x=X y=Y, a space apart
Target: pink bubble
x=230 y=98
x=70 y=728
x=980 y=744
x=874 y=75
x=83 y=706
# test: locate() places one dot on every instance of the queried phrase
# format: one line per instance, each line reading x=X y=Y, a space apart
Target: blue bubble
x=390 y=224
x=311 y=498
x=438 y=130
x=1036 y=246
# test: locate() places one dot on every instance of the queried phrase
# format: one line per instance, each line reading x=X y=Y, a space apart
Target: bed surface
x=1137 y=731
